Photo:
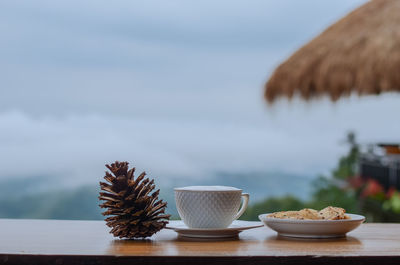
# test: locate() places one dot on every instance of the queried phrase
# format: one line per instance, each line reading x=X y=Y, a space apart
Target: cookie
x=332 y=213
x=309 y=214
x=305 y=214
x=328 y=213
x=286 y=215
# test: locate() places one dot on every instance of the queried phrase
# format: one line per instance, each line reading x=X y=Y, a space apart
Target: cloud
x=298 y=140
x=173 y=87
x=96 y=32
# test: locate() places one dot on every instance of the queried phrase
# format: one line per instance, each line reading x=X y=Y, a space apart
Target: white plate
x=232 y=231
x=313 y=228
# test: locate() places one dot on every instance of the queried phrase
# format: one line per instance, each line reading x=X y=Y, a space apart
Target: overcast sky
x=175 y=87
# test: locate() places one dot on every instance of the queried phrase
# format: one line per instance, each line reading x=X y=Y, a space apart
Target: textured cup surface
x=208 y=206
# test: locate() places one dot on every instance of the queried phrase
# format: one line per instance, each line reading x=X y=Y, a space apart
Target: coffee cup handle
x=244 y=205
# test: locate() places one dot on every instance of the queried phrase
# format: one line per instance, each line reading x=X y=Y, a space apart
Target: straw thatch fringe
x=360 y=53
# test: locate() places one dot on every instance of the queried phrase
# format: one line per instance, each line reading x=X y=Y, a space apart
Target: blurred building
x=382 y=163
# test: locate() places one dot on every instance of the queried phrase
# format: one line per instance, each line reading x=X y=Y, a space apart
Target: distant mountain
x=29 y=198
x=80 y=203
x=17 y=187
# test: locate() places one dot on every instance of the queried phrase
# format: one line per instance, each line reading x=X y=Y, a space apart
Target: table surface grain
x=62 y=241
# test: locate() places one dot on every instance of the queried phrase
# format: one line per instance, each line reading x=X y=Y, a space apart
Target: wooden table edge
x=22 y=259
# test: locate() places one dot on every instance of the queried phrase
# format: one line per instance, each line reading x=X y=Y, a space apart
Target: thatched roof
x=360 y=53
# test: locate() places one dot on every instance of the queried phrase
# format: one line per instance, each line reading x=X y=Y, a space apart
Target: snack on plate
x=286 y=215
x=328 y=213
x=333 y=213
x=309 y=214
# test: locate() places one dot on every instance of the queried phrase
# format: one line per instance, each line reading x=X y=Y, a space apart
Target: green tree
x=335 y=190
x=327 y=190
x=270 y=205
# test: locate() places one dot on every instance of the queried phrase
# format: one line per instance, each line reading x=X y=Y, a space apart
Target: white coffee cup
x=210 y=206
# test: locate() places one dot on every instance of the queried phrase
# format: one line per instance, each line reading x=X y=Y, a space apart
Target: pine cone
x=133 y=212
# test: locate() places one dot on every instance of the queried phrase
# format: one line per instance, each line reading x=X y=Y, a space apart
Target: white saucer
x=313 y=228
x=232 y=231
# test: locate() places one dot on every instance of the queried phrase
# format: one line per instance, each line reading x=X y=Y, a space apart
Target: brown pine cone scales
x=133 y=212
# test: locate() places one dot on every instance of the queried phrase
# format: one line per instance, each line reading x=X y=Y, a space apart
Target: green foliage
x=327 y=192
x=272 y=205
x=331 y=190
x=368 y=198
x=393 y=203
x=336 y=189
x=347 y=165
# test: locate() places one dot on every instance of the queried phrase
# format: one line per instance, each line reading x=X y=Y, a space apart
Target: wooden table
x=88 y=242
